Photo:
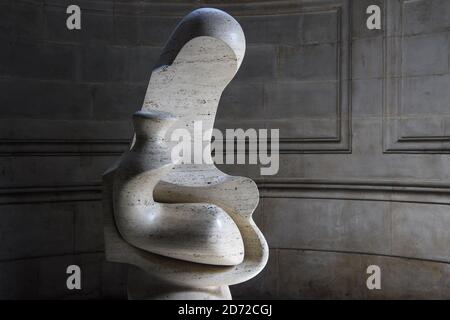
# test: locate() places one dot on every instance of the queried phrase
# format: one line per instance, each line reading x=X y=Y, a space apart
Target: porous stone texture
x=364 y=175
x=194 y=234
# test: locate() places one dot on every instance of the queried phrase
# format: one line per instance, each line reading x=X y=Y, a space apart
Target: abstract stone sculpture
x=186 y=229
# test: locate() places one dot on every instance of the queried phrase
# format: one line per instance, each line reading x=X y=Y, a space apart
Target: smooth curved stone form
x=200 y=232
x=187 y=227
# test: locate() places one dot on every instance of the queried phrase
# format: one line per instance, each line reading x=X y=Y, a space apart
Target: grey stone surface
x=422 y=126
x=303 y=274
x=126 y=30
x=154 y=30
x=330 y=275
x=366 y=98
x=6 y=20
x=28 y=20
x=111 y=67
x=34 y=230
x=116 y=101
x=242 y=100
x=367 y=58
x=48 y=100
x=274 y=29
x=314 y=62
x=302 y=109
x=114 y=276
x=420 y=230
x=79 y=171
x=260 y=64
x=56 y=61
x=19 y=279
x=139 y=62
x=426 y=95
x=357 y=226
x=81 y=130
x=300 y=99
x=426 y=16
x=417 y=67
x=88 y=222
x=322 y=27
x=425 y=55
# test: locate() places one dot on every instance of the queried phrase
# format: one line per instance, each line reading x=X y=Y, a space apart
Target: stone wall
x=381 y=195
x=363 y=118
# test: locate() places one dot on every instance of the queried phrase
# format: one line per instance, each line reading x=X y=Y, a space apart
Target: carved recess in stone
x=295 y=78
x=417 y=77
x=188 y=228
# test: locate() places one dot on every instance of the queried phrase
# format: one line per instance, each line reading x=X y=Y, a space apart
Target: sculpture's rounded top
x=205 y=22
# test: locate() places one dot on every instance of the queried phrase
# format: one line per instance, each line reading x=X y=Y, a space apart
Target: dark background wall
x=363 y=117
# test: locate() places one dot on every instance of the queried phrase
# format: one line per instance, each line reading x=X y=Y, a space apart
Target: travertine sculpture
x=186 y=228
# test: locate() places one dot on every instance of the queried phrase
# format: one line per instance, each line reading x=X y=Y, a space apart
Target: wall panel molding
x=432 y=192
x=49 y=147
x=84 y=140
x=323 y=126
x=41 y=137
x=432 y=129
x=340 y=142
x=49 y=194
x=362 y=189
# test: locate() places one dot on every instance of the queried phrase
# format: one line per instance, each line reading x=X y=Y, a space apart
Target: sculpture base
x=142 y=286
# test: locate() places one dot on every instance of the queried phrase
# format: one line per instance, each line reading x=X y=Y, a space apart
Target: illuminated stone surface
x=187 y=227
